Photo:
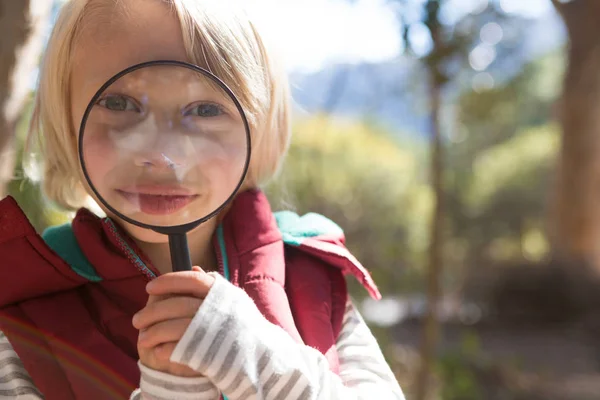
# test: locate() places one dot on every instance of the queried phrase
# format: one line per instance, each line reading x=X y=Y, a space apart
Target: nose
x=156 y=160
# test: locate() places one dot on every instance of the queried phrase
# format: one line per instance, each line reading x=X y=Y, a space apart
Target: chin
x=149 y=236
x=143 y=234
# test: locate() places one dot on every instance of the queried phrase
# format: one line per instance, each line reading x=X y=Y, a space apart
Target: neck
x=201 y=250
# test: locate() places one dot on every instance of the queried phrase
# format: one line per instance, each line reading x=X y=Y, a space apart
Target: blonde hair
x=217 y=38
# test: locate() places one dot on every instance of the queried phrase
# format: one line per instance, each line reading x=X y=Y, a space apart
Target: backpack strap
x=62 y=240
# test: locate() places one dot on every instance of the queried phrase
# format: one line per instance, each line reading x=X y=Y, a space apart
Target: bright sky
x=313 y=33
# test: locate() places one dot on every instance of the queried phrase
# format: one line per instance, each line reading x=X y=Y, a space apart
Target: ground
x=548 y=364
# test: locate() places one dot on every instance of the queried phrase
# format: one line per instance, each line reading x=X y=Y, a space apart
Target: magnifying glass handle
x=180 y=252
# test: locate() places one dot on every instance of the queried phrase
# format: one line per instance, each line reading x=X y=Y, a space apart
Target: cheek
x=223 y=174
x=100 y=159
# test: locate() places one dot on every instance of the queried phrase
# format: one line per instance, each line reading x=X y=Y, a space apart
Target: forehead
x=168 y=84
x=117 y=34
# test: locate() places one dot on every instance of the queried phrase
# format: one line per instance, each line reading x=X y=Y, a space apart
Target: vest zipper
x=220 y=268
x=222 y=254
x=223 y=263
x=131 y=255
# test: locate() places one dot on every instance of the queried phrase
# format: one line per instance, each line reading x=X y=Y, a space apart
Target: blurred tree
x=435 y=63
x=22 y=25
x=445 y=49
x=456 y=48
x=575 y=219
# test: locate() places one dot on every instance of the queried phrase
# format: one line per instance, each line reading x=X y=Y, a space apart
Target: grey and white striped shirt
x=243 y=356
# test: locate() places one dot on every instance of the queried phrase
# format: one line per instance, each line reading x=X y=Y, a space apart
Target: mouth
x=158 y=199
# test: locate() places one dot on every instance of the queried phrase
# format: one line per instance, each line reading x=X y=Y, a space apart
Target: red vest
x=73 y=332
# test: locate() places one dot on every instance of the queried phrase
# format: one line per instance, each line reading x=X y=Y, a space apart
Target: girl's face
x=162 y=145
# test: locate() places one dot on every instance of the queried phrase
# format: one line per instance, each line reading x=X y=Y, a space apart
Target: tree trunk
x=434 y=267
x=22 y=24
x=575 y=213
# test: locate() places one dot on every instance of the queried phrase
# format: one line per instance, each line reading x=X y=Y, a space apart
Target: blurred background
x=457 y=143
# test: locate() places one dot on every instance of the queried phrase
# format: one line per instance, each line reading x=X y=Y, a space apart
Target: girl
x=92 y=309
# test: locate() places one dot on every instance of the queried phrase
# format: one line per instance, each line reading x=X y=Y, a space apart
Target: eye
x=116 y=102
x=205 y=110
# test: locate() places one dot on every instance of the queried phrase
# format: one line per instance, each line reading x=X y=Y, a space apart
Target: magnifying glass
x=165 y=145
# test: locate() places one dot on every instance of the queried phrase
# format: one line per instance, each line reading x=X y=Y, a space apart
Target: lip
x=157 y=190
x=158 y=200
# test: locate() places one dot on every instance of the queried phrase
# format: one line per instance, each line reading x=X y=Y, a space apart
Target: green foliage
x=500 y=169
x=28 y=194
x=362 y=179
x=457 y=371
x=492 y=116
x=29 y=197
x=513 y=166
x=376 y=188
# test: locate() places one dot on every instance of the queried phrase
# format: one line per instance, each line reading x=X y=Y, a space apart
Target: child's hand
x=174 y=300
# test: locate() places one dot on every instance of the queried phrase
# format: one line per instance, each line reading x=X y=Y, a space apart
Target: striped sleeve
x=362 y=364
x=15 y=382
x=159 y=385
x=247 y=357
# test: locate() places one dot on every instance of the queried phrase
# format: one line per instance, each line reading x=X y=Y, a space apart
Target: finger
x=192 y=283
x=154 y=299
x=163 y=351
x=162 y=356
x=163 y=332
x=163 y=310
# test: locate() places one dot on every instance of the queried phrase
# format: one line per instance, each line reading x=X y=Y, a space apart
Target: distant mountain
x=393 y=92
x=386 y=91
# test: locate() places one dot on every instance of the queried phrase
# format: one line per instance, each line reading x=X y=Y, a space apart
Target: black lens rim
x=176 y=229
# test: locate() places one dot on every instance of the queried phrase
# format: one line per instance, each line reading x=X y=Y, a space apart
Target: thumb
x=197 y=269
